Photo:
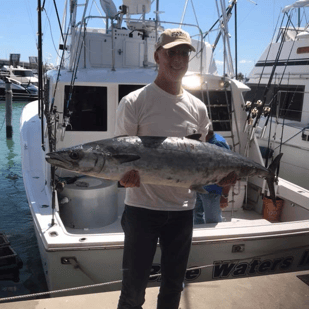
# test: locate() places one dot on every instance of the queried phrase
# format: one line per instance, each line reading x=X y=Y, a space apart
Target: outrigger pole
x=41 y=102
x=40 y=67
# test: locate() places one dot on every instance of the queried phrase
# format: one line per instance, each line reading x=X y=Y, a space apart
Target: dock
x=282 y=291
x=10 y=263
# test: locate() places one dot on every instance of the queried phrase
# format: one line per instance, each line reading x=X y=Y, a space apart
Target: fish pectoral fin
x=195 y=136
x=199 y=189
x=125 y=158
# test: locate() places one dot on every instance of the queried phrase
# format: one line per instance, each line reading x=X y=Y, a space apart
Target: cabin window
x=220 y=105
x=303 y=50
x=89 y=108
x=123 y=90
x=290 y=102
x=287 y=100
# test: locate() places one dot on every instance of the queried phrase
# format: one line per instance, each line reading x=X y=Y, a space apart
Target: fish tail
x=271 y=178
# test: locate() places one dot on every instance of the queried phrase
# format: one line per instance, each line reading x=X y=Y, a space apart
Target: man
x=162 y=213
x=208 y=205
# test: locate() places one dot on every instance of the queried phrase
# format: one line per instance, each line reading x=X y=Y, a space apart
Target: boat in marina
x=77 y=218
x=279 y=97
x=19 y=92
x=24 y=76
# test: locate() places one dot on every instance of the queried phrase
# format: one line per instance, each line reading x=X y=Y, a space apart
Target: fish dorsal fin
x=195 y=136
x=125 y=158
x=125 y=135
x=152 y=141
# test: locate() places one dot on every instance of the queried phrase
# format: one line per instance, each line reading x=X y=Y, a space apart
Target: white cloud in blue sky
x=219 y=63
x=245 y=61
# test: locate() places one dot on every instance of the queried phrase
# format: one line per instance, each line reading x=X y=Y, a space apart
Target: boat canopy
x=297 y=4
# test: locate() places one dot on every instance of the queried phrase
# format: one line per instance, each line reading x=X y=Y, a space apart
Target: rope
x=58 y=291
x=14 y=298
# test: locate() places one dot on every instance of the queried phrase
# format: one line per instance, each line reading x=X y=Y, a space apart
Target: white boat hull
x=246 y=245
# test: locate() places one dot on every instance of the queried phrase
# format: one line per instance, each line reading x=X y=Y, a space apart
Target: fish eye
x=74 y=155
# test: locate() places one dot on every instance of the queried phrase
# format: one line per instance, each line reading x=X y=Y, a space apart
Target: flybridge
x=122 y=48
x=132 y=46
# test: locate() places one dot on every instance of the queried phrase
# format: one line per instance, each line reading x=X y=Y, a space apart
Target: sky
x=256 y=20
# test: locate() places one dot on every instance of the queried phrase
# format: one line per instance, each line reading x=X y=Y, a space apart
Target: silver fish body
x=171 y=161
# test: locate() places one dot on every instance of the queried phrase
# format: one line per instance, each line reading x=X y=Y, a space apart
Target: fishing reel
x=258 y=103
x=247 y=106
x=254 y=109
x=254 y=112
x=66 y=122
x=52 y=119
x=266 y=111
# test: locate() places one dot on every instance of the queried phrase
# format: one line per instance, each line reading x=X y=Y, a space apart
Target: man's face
x=173 y=62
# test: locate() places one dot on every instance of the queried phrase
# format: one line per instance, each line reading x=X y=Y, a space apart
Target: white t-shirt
x=151 y=111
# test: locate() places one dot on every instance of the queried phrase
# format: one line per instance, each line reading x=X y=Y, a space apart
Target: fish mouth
x=56 y=160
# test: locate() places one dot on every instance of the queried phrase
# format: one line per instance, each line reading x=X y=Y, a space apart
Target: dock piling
x=8 y=108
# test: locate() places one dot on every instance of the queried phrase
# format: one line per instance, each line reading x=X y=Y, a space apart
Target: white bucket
x=89 y=203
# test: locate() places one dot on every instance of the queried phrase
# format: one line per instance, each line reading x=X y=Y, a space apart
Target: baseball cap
x=173 y=37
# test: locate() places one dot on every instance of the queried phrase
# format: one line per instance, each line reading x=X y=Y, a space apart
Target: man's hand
x=229 y=180
x=130 y=179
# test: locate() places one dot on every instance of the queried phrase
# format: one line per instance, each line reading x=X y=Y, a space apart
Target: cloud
x=219 y=63
x=245 y=61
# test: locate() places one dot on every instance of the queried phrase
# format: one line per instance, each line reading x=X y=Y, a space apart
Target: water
x=15 y=217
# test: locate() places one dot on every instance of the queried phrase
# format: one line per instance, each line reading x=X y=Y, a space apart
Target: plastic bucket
x=270 y=212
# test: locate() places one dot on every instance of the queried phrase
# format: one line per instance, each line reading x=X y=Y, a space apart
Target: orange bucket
x=270 y=212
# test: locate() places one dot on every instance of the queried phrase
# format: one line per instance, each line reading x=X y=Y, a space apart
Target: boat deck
x=240 y=217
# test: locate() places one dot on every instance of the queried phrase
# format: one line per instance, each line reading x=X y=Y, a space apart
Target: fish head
x=81 y=159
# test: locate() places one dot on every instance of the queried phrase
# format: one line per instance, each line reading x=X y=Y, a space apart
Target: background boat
x=279 y=95
x=20 y=92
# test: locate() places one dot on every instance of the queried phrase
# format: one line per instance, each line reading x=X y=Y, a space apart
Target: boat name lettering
x=191 y=274
x=224 y=269
x=235 y=268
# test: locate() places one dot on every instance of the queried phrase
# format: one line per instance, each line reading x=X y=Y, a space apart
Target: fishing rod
x=56 y=9
x=40 y=71
x=249 y=106
x=236 y=58
x=75 y=68
x=40 y=102
x=257 y=108
x=228 y=14
x=268 y=110
x=277 y=98
x=228 y=11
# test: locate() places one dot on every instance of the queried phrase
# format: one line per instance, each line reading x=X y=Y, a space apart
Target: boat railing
x=146 y=27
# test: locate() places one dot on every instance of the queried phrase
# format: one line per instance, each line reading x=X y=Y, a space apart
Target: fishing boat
x=279 y=98
x=77 y=218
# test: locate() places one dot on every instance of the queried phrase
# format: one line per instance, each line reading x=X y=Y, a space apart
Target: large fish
x=172 y=161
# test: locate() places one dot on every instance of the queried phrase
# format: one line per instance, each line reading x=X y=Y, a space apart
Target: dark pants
x=143 y=228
